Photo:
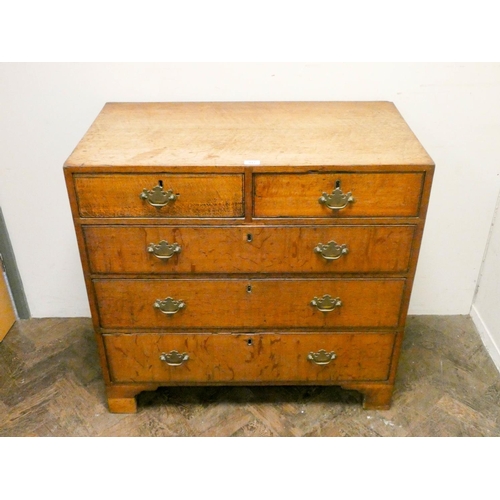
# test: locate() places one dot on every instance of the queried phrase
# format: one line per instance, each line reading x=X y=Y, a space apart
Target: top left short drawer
x=159 y=195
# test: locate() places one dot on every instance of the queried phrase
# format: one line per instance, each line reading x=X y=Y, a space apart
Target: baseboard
x=485 y=334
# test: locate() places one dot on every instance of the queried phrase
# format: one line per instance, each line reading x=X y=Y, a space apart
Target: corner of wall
x=486 y=336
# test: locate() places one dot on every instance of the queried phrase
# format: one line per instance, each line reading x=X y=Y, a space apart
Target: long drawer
x=254 y=358
x=160 y=195
x=257 y=303
x=338 y=194
x=250 y=249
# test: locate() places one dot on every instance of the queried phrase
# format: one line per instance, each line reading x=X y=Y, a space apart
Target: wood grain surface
x=218 y=304
x=230 y=133
x=375 y=194
x=247 y=357
x=249 y=249
x=117 y=195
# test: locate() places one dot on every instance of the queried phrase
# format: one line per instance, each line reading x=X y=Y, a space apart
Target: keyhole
x=249 y=238
x=249 y=342
x=337 y=184
x=249 y=288
x=160 y=183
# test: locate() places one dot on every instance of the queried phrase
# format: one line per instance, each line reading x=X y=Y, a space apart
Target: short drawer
x=249 y=358
x=178 y=304
x=159 y=195
x=338 y=195
x=249 y=249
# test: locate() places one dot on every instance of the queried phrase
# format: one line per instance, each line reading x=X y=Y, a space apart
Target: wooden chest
x=249 y=243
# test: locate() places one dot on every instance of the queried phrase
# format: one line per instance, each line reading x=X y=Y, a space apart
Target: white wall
x=454 y=109
x=485 y=310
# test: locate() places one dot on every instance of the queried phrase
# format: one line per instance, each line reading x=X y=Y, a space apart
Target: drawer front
x=374 y=194
x=119 y=195
x=341 y=249
x=219 y=304
x=249 y=357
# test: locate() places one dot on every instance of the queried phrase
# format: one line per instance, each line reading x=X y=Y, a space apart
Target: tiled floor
x=50 y=385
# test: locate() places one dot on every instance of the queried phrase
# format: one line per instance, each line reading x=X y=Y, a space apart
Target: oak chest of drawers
x=249 y=243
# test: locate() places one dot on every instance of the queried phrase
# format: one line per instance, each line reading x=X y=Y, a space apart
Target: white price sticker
x=251 y=162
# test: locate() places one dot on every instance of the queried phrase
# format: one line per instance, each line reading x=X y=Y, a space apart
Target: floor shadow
x=243 y=395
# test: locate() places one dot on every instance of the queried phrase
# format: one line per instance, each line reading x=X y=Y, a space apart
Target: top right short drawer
x=327 y=195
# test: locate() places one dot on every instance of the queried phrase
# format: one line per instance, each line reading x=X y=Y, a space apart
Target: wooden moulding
x=122 y=397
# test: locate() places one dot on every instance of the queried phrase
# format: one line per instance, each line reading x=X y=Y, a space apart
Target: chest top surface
x=256 y=133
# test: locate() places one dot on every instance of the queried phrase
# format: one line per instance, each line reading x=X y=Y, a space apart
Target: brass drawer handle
x=163 y=250
x=174 y=358
x=321 y=357
x=169 y=305
x=158 y=198
x=331 y=251
x=337 y=200
x=326 y=303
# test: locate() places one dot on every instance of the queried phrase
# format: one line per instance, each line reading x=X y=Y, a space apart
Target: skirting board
x=485 y=334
